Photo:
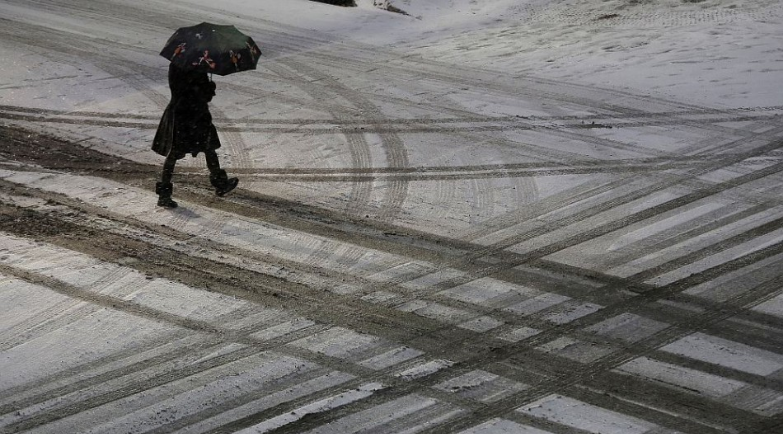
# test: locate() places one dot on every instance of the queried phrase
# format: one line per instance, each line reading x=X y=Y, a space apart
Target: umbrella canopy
x=212 y=48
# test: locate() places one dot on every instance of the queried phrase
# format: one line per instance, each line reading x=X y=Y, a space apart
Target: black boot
x=164 y=194
x=222 y=183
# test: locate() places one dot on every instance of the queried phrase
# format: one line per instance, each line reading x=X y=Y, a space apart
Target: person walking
x=186 y=128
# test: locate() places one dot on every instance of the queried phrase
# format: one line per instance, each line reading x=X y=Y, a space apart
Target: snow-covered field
x=481 y=216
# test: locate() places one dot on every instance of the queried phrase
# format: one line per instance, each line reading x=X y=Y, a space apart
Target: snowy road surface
x=485 y=217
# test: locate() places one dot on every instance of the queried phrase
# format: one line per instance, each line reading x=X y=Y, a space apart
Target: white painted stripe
x=628 y=326
x=586 y=225
x=735 y=282
x=519 y=334
x=282 y=329
x=695 y=243
x=320 y=406
x=536 y=304
x=367 y=420
x=576 y=349
x=424 y=369
x=502 y=426
x=577 y=414
x=337 y=342
x=647 y=229
x=681 y=378
x=391 y=358
x=717 y=259
x=489 y=292
x=268 y=401
x=395 y=273
x=433 y=279
x=570 y=311
x=481 y=386
x=233 y=383
x=437 y=311
x=727 y=353
x=773 y=306
x=481 y=324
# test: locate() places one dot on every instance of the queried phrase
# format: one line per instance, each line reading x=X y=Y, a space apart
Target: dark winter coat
x=186 y=125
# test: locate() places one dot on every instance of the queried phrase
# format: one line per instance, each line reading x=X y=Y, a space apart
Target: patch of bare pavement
x=257 y=314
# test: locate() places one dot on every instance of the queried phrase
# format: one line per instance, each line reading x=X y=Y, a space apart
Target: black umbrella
x=212 y=48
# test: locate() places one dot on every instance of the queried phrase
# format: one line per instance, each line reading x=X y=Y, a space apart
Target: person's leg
x=217 y=176
x=164 y=188
x=168 y=168
x=213 y=163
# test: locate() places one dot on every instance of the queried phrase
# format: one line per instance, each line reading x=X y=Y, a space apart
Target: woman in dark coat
x=186 y=128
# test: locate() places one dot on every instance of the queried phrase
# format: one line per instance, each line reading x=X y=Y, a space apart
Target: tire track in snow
x=421 y=386
x=361 y=192
x=707 y=116
x=357 y=145
x=393 y=146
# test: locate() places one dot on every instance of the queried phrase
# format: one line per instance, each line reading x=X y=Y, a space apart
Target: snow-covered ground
x=721 y=53
x=481 y=216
